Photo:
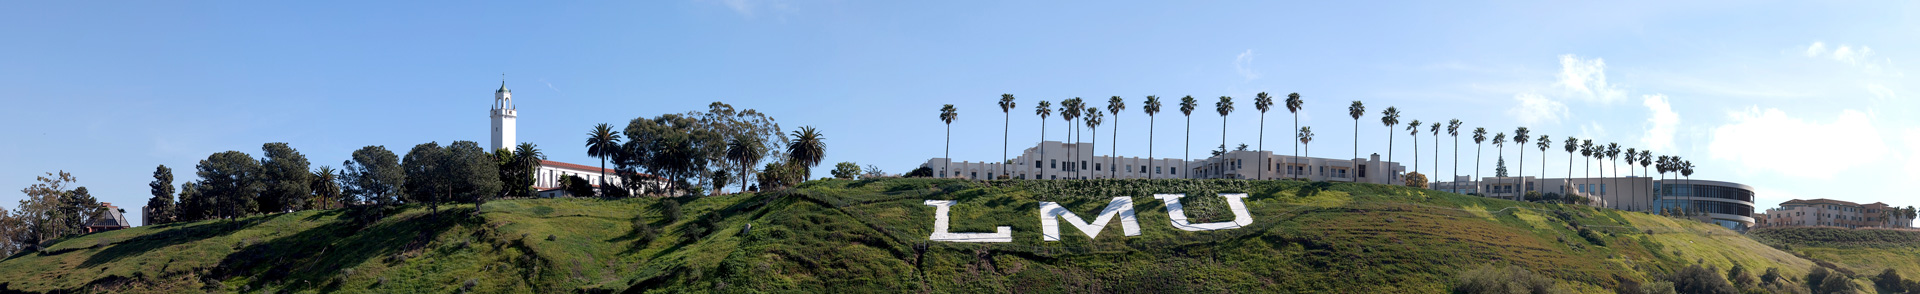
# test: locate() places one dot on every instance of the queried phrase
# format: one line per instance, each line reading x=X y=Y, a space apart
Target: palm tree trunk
x=1456 y=156
x=1476 y=170
x=1390 y=174
x=1006 y=126
x=1151 y=121
x=1353 y=170
x=1261 y=173
x=1113 y=149
x=1223 y=142
x=1521 y=188
x=1094 y=151
x=1039 y=167
x=946 y=169
x=1189 y=146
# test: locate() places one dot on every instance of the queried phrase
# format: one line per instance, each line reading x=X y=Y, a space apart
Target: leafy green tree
x=576 y=186
x=231 y=180
x=518 y=168
x=426 y=181
x=720 y=179
x=678 y=147
x=1263 y=102
x=326 y=188
x=373 y=176
x=193 y=205
x=286 y=179
x=10 y=229
x=1500 y=147
x=50 y=211
x=603 y=142
x=808 y=149
x=1187 y=105
x=846 y=170
x=474 y=176
x=160 y=208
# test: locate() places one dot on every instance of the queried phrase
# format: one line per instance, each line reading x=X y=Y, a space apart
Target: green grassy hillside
x=1865 y=251
x=871 y=236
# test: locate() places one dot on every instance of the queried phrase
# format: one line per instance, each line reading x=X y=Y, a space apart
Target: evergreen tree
x=373 y=176
x=1500 y=168
x=231 y=183
x=286 y=179
x=160 y=208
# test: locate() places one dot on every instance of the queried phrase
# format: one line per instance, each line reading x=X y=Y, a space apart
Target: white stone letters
x=1121 y=206
x=1234 y=201
x=1002 y=234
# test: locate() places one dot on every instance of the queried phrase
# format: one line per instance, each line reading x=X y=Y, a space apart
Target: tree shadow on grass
x=172 y=236
x=317 y=255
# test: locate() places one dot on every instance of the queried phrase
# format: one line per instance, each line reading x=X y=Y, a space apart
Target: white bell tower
x=503 y=116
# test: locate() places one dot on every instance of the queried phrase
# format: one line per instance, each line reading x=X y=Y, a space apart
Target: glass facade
x=1708 y=206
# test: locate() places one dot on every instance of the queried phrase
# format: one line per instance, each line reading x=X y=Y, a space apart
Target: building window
x=1096 y=166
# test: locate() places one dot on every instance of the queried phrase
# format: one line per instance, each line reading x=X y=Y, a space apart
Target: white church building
x=547 y=180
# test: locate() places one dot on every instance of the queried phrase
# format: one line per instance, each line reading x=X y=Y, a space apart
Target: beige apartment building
x=1835 y=213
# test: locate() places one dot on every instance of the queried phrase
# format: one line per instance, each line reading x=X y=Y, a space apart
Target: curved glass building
x=1727 y=204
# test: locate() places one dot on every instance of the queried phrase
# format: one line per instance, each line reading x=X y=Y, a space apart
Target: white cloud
x=744 y=7
x=1587 y=79
x=1662 y=123
x=1768 y=140
x=1594 y=130
x=1816 y=49
x=1533 y=109
x=1861 y=56
x=1244 y=65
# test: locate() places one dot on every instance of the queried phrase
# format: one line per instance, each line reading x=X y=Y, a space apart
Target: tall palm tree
x=1294 y=104
x=1436 y=152
x=1646 y=158
x=1413 y=130
x=1070 y=111
x=1225 y=107
x=1586 y=154
x=603 y=142
x=1479 y=135
x=1263 y=102
x=1572 y=145
x=1500 y=145
x=1390 y=118
x=1151 y=106
x=1613 y=156
x=1306 y=138
x=1356 y=110
x=947 y=115
x=1686 y=170
x=1520 y=141
x=1093 y=123
x=1544 y=143
x=808 y=149
x=1114 y=106
x=1453 y=129
x=1044 y=109
x=1006 y=126
x=1633 y=155
x=745 y=151
x=1187 y=105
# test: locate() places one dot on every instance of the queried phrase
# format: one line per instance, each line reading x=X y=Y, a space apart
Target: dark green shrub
x=1889 y=281
x=1593 y=237
x=1741 y=278
x=670 y=209
x=922 y=172
x=1696 y=279
x=1504 y=279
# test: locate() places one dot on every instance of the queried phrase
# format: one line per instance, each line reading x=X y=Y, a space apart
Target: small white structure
x=503 y=115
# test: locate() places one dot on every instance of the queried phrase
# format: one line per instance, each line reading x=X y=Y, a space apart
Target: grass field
x=871 y=236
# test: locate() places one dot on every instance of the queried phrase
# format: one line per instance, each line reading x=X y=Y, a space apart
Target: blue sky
x=1801 y=100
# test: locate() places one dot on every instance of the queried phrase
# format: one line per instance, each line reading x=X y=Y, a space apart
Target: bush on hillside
x=1889 y=281
x=1822 y=281
x=922 y=172
x=670 y=209
x=1416 y=180
x=1505 y=279
x=1696 y=279
x=1742 y=278
x=1593 y=237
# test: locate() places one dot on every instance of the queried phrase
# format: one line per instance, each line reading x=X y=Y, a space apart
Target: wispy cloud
x=1662 y=123
x=1759 y=139
x=1533 y=109
x=1244 y=65
x=550 y=86
x=1861 y=56
x=1587 y=79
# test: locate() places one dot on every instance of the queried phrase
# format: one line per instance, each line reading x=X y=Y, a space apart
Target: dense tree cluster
x=54 y=208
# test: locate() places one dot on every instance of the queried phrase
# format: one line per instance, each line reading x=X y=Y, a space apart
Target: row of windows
x=1709 y=206
x=1689 y=190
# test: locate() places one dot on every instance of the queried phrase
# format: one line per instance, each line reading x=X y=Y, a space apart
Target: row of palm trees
x=1075 y=110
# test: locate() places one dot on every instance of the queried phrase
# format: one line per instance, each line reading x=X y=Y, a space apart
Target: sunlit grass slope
x=871 y=236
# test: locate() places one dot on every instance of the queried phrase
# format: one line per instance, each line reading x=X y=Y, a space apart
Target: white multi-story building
x=1052 y=160
x=1836 y=213
x=1724 y=203
x=547 y=180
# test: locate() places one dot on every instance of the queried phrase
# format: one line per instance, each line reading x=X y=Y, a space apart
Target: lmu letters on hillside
x=1051 y=214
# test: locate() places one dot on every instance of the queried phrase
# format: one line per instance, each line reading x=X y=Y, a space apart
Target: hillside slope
x=872 y=236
